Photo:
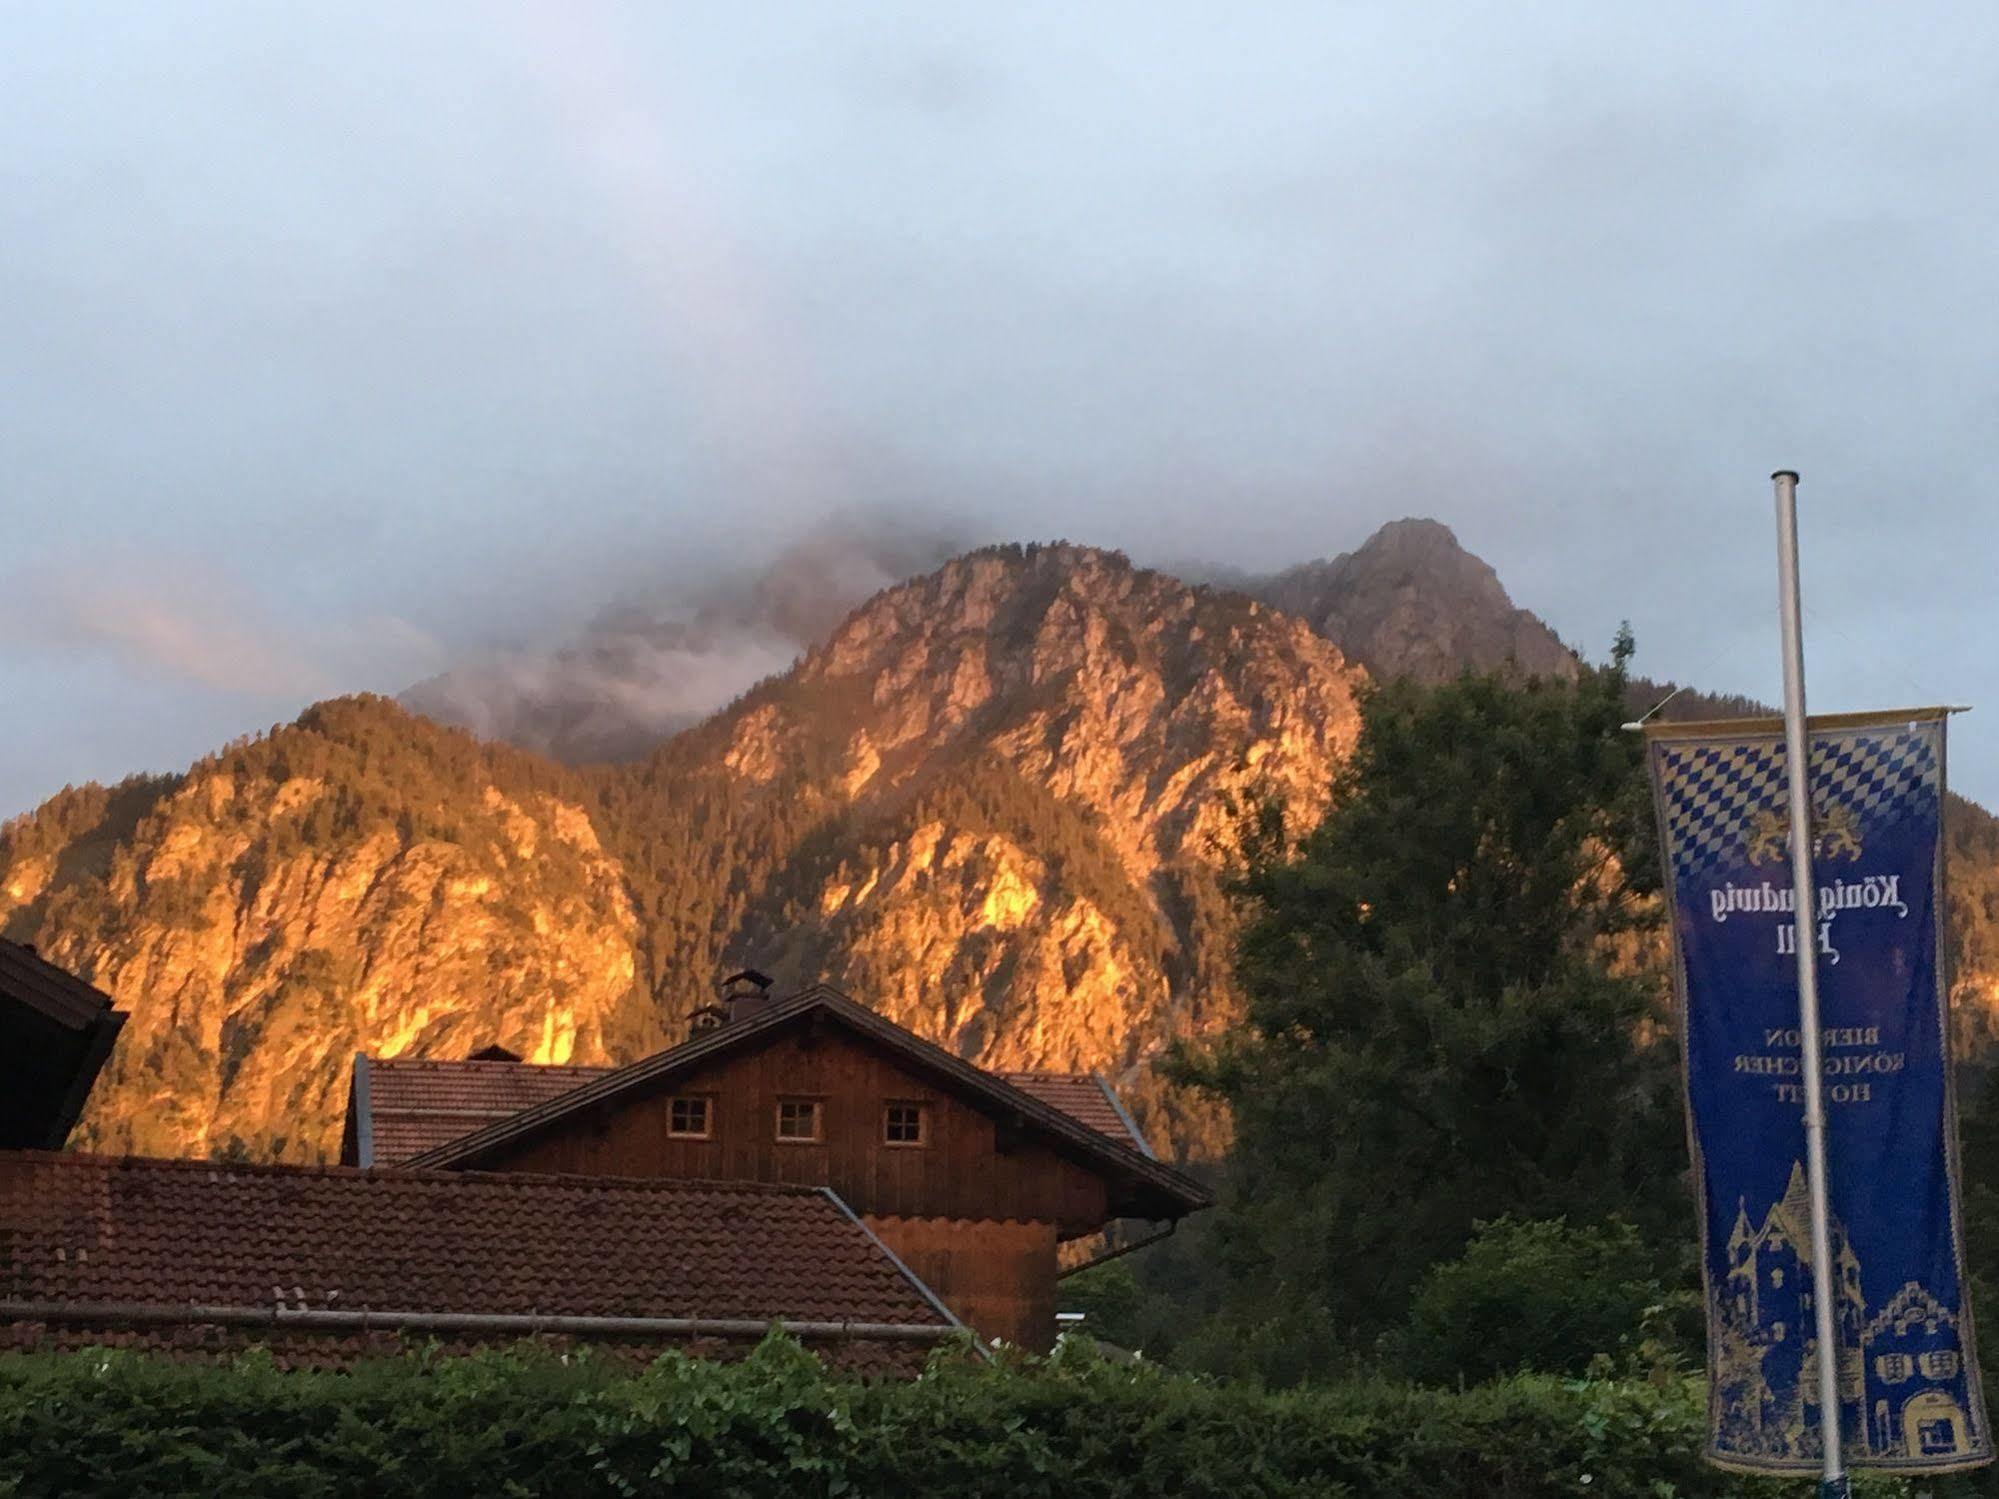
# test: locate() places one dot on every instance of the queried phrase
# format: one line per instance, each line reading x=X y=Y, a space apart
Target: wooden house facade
x=969 y=1177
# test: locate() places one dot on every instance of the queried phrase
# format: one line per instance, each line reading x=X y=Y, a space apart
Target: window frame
x=797 y=1100
x=707 y=1130
x=922 y=1111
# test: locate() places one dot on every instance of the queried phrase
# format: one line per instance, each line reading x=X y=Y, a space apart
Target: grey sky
x=338 y=343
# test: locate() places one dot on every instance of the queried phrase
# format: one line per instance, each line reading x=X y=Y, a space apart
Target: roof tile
x=1083 y=1096
x=417 y=1104
x=191 y=1233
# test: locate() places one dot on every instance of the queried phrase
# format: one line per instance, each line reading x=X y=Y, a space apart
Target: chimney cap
x=494 y=1054
x=761 y=982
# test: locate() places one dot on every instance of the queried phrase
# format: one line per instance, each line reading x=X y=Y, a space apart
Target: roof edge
x=908 y=1274
x=173 y=1314
x=1124 y=1116
x=104 y=1030
x=76 y=1160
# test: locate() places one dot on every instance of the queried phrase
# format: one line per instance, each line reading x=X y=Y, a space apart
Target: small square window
x=905 y=1124
x=799 y=1119
x=689 y=1119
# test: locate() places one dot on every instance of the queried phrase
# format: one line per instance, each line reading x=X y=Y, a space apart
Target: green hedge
x=1074 y=1425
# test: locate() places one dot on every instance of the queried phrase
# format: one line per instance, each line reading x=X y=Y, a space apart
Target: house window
x=689 y=1119
x=1939 y=1365
x=800 y=1120
x=1936 y=1437
x=1892 y=1367
x=905 y=1124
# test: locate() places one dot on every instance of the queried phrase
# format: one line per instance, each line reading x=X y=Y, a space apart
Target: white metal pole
x=1798 y=768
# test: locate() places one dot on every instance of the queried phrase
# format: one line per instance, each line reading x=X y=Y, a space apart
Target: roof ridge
x=83 y=1160
x=494 y=1063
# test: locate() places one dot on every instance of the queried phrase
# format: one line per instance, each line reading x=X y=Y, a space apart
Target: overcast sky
x=338 y=343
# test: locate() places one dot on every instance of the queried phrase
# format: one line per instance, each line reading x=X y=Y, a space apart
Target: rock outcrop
x=1413 y=602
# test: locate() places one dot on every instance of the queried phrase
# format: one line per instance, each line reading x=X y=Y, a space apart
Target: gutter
x=116 y=1313
x=1119 y=1253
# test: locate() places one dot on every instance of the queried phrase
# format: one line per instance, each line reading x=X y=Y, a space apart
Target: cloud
x=182 y=619
x=669 y=655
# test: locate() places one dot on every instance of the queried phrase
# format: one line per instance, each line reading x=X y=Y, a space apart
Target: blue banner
x=1908 y=1377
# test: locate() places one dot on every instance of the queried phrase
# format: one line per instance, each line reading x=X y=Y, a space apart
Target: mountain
x=992 y=802
x=358 y=880
x=1413 y=602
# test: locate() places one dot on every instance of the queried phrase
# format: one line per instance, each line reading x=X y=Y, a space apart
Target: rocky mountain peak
x=1411 y=601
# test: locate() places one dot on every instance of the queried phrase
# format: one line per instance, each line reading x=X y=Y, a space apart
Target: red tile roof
x=1084 y=1096
x=416 y=1104
x=97 y=1243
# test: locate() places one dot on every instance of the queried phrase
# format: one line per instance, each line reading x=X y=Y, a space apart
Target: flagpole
x=1833 y=1484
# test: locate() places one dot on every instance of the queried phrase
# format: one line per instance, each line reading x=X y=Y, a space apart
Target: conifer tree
x=1440 y=1029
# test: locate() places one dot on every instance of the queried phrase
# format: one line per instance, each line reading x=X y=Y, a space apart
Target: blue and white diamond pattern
x=1714 y=791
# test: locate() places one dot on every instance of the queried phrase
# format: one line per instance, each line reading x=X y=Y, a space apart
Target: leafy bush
x=1538 y=1295
x=1075 y=1425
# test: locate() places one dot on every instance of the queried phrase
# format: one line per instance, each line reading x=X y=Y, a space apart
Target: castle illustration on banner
x=1903 y=1386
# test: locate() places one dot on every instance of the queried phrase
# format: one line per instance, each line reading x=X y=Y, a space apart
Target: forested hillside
x=995 y=802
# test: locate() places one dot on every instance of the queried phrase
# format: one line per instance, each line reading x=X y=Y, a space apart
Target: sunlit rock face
x=354 y=882
x=996 y=802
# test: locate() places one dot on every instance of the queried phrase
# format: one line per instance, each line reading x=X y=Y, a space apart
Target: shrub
x=1534 y=1295
x=526 y=1423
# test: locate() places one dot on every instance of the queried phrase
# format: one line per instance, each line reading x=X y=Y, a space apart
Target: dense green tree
x=1443 y=1022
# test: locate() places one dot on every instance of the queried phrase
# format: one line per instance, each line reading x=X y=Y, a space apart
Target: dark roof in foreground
x=55 y=992
x=330 y=1253
x=55 y=1033
x=410 y=1105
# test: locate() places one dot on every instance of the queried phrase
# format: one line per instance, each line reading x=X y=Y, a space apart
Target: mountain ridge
x=989 y=802
x=993 y=801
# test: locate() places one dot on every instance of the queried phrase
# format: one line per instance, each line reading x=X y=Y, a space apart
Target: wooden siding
x=998 y=1278
x=973 y=1167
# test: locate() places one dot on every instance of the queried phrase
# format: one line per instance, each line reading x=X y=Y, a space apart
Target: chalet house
x=324 y=1265
x=972 y=1179
x=55 y=1034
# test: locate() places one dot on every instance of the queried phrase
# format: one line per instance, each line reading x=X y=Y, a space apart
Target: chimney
x=745 y=992
x=739 y=996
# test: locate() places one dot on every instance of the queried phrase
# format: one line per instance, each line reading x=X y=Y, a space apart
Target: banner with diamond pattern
x=1908 y=1389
